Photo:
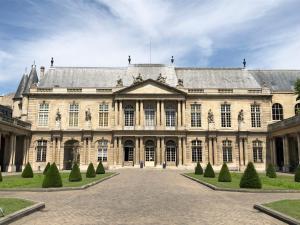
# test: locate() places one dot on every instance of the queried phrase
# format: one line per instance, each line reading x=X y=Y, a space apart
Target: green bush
x=198 y=169
x=271 y=171
x=209 y=171
x=27 y=172
x=90 y=173
x=297 y=174
x=100 y=168
x=75 y=174
x=250 y=178
x=224 y=175
x=0 y=176
x=46 y=168
x=52 y=178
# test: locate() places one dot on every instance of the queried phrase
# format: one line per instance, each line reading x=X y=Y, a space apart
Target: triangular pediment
x=150 y=87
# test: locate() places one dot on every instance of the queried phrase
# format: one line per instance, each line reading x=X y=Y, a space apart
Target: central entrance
x=149 y=153
x=128 y=153
x=171 y=153
x=71 y=154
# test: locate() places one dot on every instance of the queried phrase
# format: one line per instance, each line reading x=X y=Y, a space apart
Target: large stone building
x=153 y=113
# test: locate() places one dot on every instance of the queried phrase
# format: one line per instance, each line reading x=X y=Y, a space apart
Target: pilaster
x=179 y=155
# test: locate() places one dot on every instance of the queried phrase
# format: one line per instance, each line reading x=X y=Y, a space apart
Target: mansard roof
x=32 y=79
x=107 y=77
x=21 y=87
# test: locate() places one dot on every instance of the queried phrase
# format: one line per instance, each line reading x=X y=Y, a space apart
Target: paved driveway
x=149 y=197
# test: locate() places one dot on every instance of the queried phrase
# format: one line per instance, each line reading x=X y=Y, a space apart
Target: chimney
x=42 y=71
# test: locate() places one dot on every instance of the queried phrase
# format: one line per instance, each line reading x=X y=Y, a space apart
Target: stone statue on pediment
x=120 y=83
x=180 y=83
x=137 y=79
x=161 y=79
x=241 y=116
x=210 y=117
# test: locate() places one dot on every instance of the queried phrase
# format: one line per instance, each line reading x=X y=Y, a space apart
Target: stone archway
x=71 y=154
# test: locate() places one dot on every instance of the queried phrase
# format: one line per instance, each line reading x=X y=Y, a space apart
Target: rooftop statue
x=120 y=83
x=180 y=82
x=137 y=79
x=161 y=79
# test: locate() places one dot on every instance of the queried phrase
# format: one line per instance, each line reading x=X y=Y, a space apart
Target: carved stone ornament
x=180 y=83
x=120 y=83
x=161 y=79
x=241 y=116
x=137 y=79
x=210 y=117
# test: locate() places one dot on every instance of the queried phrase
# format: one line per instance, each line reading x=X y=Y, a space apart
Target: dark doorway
x=2 y=149
x=128 y=151
x=279 y=153
x=71 y=154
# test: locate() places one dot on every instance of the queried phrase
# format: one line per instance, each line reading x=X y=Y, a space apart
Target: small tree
x=46 y=168
x=0 y=176
x=224 y=175
x=250 y=178
x=100 y=168
x=209 y=171
x=198 y=169
x=75 y=174
x=27 y=172
x=297 y=174
x=297 y=88
x=52 y=178
x=90 y=173
x=271 y=171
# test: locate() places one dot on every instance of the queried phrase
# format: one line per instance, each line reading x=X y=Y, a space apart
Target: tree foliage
x=297 y=174
x=52 y=177
x=224 y=175
x=209 y=171
x=75 y=174
x=271 y=172
x=27 y=172
x=297 y=88
x=90 y=173
x=100 y=168
x=46 y=168
x=198 y=169
x=250 y=178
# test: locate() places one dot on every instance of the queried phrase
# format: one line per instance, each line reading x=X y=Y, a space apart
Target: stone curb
x=58 y=189
x=280 y=216
x=215 y=188
x=21 y=213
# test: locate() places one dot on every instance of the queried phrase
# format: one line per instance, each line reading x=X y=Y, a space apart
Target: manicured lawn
x=36 y=182
x=10 y=205
x=282 y=182
x=288 y=207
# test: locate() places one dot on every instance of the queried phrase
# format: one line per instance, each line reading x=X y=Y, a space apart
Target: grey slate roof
x=106 y=77
x=32 y=79
x=21 y=87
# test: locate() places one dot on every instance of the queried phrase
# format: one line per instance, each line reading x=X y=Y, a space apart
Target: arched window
x=171 y=151
x=41 y=151
x=149 y=116
x=170 y=116
x=149 y=151
x=196 y=151
x=102 y=150
x=129 y=116
x=277 y=111
x=257 y=151
x=227 y=151
x=297 y=109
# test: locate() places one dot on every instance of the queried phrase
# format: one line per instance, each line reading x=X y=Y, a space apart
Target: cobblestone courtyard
x=149 y=197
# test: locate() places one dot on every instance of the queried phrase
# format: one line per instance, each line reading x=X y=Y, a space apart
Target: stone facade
x=128 y=116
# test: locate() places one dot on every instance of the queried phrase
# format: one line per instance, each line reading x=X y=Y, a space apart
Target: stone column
x=286 y=158
x=137 y=151
x=273 y=143
x=163 y=121
x=142 y=117
x=298 y=141
x=121 y=114
x=12 y=166
x=120 y=152
x=241 y=152
x=114 y=151
x=183 y=114
x=59 y=160
x=179 y=114
x=179 y=151
x=215 y=151
x=184 y=151
x=163 y=155
x=137 y=113
x=210 y=148
x=142 y=150
x=158 y=156
x=157 y=114
x=116 y=113
x=89 y=150
x=24 y=161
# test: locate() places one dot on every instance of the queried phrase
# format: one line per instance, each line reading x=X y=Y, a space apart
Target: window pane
x=255 y=116
x=225 y=115
x=43 y=114
x=73 y=115
x=196 y=115
x=41 y=151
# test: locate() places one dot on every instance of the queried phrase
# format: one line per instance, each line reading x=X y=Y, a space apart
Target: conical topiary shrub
x=90 y=173
x=75 y=174
x=271 y=171
x=297 y=174
x=52 y=178
x=224 y=175
x=27 y=172
x=250 y=178
x=46 y=168
x=209 y=171
x=100 y=168
x=0 y=176
x=198 y=169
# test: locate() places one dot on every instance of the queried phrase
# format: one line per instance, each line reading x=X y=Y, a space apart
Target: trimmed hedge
x=46 y=168
x=27 y=172
x=100 y=168
x=297 y=174
x=250 y=178
x=198 y=169
x=0 y=176
x=209 y=171
x=224 y=175
x=52 y=178
x=271 y=172
x=90 y=173
x=75 y=174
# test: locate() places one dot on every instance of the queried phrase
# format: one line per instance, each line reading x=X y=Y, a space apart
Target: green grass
x=10 y=205
x=288 y=207
x=282 y=182
x=17 y=181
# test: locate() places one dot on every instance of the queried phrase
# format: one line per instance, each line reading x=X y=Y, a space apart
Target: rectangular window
x=149 y=117
x=73 y=115
x=129 y=116
x=227 y=151
x=103 y=115
x=102 y=151
x=225 y=115
x=257 y=152
x=255 y=116
x=43 y=114
x=196 y=115
x=41 y=151
x=170 y=118
x=196 y=151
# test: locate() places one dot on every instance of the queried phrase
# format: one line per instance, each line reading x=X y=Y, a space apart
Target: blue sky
x=204 y=33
